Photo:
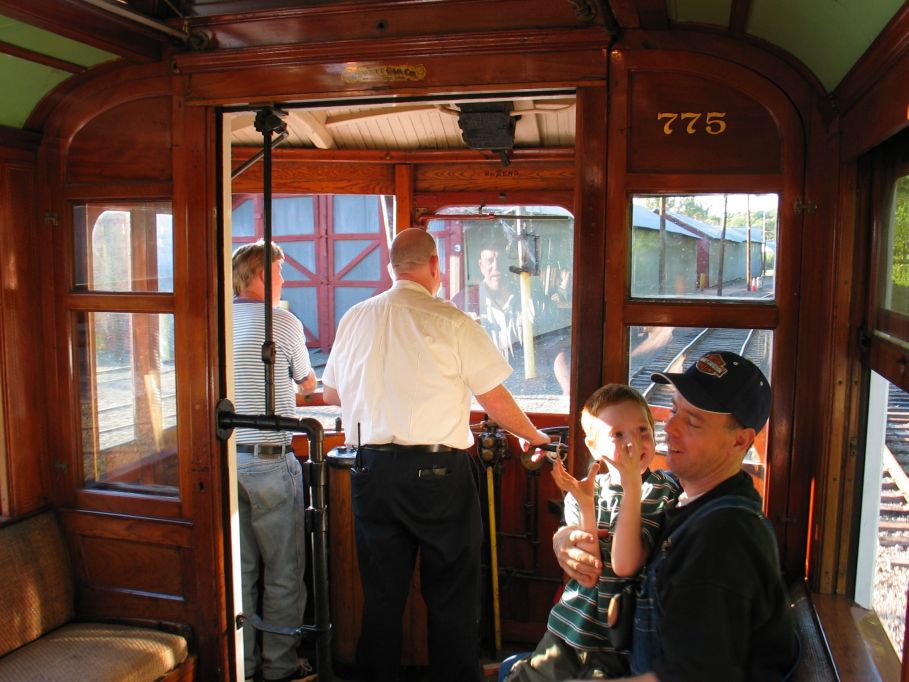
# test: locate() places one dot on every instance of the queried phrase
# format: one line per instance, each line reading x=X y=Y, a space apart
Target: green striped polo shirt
x=579 y=617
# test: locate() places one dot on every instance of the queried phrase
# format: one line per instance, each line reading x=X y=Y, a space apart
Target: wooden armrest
x=857 y=647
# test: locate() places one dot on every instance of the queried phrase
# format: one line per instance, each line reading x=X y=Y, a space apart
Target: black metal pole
x=268 y=121
x=226 y=421
x=268 y=347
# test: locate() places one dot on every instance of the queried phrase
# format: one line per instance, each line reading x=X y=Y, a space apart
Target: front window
x=510 y=268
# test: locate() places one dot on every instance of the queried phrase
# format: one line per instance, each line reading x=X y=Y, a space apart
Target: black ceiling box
x=487 y=125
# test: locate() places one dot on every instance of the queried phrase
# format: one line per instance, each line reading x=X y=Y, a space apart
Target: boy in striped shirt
x=623 y=507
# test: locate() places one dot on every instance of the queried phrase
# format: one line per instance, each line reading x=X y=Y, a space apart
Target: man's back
x=391 y=339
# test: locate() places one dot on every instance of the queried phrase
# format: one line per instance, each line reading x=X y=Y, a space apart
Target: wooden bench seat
x=41 y=637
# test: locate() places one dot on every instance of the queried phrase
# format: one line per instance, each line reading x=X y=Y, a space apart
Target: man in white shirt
x=403 y=368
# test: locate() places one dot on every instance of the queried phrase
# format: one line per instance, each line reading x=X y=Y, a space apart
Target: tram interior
x=614 y=187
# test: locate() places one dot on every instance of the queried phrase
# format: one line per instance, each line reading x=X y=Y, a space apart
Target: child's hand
x=583 y=489
x=627 y=460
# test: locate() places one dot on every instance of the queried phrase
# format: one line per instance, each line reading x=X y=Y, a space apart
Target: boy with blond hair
x=622 y=507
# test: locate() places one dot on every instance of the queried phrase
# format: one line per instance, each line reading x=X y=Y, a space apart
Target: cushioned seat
x=39 y=638
x=99 y=652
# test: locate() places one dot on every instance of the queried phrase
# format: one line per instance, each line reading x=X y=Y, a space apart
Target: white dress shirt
x=404 y=364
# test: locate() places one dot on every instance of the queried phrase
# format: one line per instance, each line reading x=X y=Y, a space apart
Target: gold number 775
x=714 y=123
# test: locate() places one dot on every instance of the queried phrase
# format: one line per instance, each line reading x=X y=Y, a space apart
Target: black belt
x=257 y=449
x=410 y=449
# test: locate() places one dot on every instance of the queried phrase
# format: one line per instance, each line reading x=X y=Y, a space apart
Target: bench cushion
x=36 y=582
x=99 y=652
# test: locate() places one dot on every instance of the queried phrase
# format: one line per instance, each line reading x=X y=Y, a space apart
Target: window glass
x=895 y=295
x=127 y=246
x=325 y=270
x=243 y=219
x=347 y=297
x=697 y=246
x=292 y=215
x=128 y=402
x=882 y=571
x=510 y=267
x=673 y=349
x=355 y=213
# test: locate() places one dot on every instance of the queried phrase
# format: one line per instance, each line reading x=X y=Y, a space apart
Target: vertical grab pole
x=267 y=121
x=319 y=514
x=493 y=559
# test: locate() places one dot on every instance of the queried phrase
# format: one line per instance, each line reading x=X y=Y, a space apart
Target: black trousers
x=402 y=502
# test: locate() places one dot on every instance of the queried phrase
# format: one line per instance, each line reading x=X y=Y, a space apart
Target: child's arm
x=628 y=551
x=583 y=492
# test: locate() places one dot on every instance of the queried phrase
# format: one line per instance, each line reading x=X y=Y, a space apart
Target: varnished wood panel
x=477 y=177
x=296 y=177
x=880 y=113
x=346 y=591
x=132 y=566
x=301 y=73
x=128 y=142
x=732 y=133
x=126 y=528
x=346 y=21
x=869 y=95
x=24 y=444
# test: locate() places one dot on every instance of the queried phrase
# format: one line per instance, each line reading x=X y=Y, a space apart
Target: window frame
x=78 y=300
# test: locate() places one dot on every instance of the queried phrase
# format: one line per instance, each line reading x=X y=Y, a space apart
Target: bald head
x=413 y=256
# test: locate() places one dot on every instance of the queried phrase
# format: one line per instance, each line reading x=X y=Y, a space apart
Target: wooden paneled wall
x=24 y=262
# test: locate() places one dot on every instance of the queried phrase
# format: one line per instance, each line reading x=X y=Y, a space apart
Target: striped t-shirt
x=291 y=366
x=579 y=617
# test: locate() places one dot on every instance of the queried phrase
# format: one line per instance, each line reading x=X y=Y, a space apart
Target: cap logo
x=712 y=364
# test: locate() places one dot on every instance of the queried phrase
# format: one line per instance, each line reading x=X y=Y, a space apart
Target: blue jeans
x=273 y=530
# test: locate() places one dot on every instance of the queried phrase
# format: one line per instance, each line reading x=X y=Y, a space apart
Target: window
x=124 y=247
x=673 y=349
x=510 y=267
x=335 y=249
x=127 y=398
x=123 y=263
x=883 y=565
x=702 y=277
x=703 y=246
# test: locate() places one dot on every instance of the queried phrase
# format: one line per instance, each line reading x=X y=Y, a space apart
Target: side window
x=715 y=250
x=123 y=262
x=510 y=267
x=882 y=565
x=709 y=246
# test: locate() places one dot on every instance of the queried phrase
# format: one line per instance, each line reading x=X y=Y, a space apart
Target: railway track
x=680 y=345
x=893 y=526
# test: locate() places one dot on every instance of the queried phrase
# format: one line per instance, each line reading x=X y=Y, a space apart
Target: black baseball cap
x=724 y=382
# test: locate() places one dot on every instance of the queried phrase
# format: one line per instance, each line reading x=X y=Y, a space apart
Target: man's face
x=702 y=446
x=489 y=268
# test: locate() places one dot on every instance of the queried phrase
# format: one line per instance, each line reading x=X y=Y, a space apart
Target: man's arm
x=499 y=404
x=308 y=385
x=577 y=563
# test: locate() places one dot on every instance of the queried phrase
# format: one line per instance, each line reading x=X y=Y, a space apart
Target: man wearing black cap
x=714 y=606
